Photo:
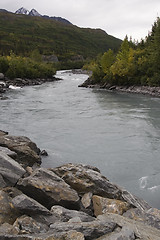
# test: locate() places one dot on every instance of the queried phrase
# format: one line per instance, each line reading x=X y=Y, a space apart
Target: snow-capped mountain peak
x=22 y=10
x=34 y=12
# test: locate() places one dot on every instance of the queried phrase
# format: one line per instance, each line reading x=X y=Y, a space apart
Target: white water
x=117 y=132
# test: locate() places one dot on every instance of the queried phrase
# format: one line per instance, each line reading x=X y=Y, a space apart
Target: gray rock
x=74 y=235
x=64 y=215
x=26 y=150
x=27 y=225
x=85 y=179
x=125 y=234
x=8 y=152
x=18 y=237
x=91 y=230
x=7 y=228
x=148 y=217
x=27 y=205
x=87 y=200
x=10 y=170
x=134 y=200
x=140 y=229
x=3 y=184
x=49 y=189
x=8 y=213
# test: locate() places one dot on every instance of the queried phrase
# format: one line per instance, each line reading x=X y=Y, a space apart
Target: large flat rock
x=49 y=189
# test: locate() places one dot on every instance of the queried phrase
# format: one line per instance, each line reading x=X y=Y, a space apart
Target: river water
x=117 y=132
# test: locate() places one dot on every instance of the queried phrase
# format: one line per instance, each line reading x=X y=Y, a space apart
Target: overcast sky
x=116 y=17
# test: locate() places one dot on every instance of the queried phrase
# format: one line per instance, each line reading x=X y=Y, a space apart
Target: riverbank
x=6 y=84
x=146 y=90
x=72 y=201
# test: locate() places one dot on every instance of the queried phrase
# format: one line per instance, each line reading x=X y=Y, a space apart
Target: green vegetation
x=23 y=34
x=134 y=64
x=15 y=66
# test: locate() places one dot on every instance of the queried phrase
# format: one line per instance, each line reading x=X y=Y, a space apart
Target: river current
x=117 y=132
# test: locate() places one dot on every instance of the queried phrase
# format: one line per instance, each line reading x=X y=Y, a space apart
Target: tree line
x=134 y=64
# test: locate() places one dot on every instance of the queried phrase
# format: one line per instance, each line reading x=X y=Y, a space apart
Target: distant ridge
x=26 y=35
x=35 y=13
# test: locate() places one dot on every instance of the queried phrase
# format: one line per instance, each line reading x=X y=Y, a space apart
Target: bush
x=4 y=65
x=16 y=66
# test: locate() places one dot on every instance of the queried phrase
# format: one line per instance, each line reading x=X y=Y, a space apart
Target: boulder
x=8 y=213
x=26 y=150
x=8 y=229
x=134 y=200
x=27 y=205
x=140 y=229
x=8 y=152
x=48 y=189
x=27 y=225
x=64 y=215
x=126 y=233
x=74 y=235
x=91 y=230
x=103 y=205
x=84 y=178
x=87 y=200
x=150 y=217
x=10 y=170
x=86 y=203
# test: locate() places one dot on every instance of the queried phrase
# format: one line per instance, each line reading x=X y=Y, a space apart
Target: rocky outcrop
x=73 y=201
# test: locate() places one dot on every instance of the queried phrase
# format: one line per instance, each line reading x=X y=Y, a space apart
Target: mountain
x=23 y=34
x=22 y=10
x=3 y=10
x=34 y=12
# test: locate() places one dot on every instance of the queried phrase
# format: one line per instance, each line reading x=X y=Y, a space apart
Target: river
x=117 y=132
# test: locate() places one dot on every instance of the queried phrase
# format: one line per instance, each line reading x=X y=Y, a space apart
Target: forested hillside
x=134 y=64
x=22 y=34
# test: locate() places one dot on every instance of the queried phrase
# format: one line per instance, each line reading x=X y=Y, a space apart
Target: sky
x=118 y=18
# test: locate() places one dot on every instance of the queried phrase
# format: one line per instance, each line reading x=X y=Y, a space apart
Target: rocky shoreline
x=6 y=84
x=145 y=90
x=72 y=201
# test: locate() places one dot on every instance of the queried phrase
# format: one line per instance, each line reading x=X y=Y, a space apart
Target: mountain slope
x=24 y=33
